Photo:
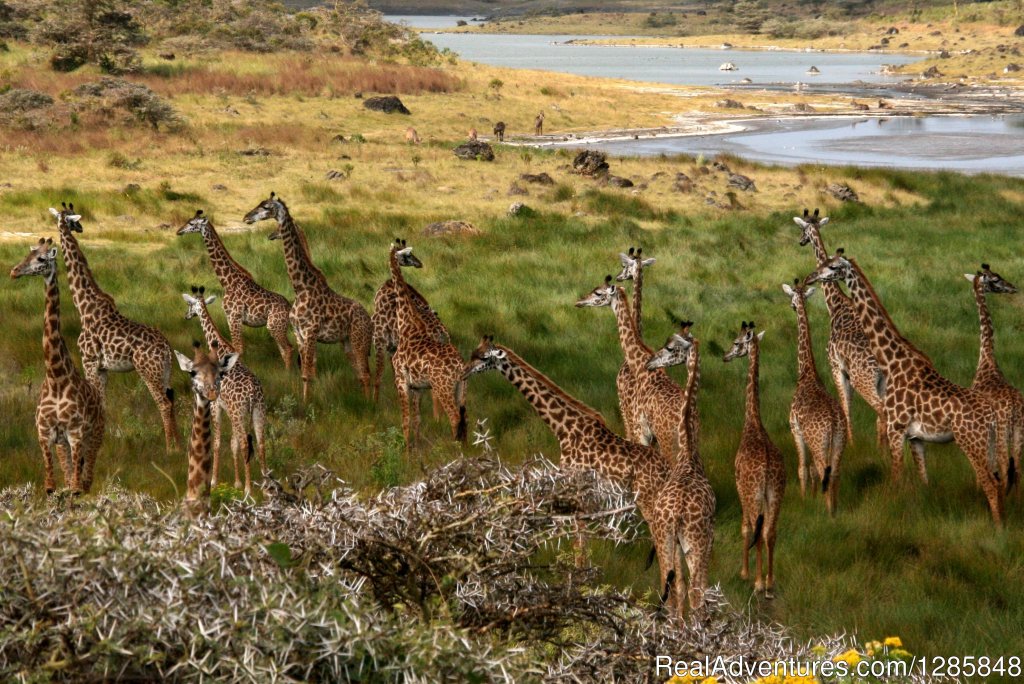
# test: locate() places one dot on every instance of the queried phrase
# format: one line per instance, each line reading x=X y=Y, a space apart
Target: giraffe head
x=270 y=208
x=742 y=344
x=41 y=260
x=197 y=224
x=809 y=224
x=797 y=292
x=67 y=218
x=485 y=357
x=676 y=350
x=403 y=253
x=602 y=295
x=632 y=263
x=206 y=371
x=196 y=302
x=835 y=269
x=991 y=282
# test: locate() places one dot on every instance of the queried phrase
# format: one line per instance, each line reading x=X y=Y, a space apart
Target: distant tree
x=748 y=15
x=102 y=32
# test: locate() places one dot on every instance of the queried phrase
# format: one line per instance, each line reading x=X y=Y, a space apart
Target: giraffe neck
x=226 y=268
x=638 y=298
x=690 y=445
x=92 y=302
x=887 y=344
x=301 y=270
x=804 y=350
x=835 y=299
x=636 y=352
x=210 y=332
x=987 y=357
x=59 y=364
x=410 y=323
x=199 y=452
x=753 y=408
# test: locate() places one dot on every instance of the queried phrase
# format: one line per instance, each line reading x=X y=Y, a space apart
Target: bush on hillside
x=110 y=95
x=101 y=32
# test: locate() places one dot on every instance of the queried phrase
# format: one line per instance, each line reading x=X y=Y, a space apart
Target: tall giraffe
x=110 y=342
x=69 y=416
x=850 y=358
x=245 y=302
x=206 y=371
x=920 y=405
x=633 y=265
x=422 y=362
x=760 y=472
x=241 y=396
x=815 y=418
x=989 y=379
x=319 y=314
x=586 y=442
x=656 y=397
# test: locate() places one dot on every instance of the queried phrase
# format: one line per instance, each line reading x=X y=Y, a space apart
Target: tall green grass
x=920 y=562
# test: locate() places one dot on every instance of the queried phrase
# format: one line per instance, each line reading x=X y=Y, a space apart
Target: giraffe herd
x=659 y=459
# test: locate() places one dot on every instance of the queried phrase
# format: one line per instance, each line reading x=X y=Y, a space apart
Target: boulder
x=729 y=104
x=519 y=209
x=590 y=163
x=474 y=149
x=1010 y=68
x=618 y=181
x=741 y=182
x=442 y=228
x=541 y=178
x=516 y=189
x=1019 y=32
x=389 y=104
x=842 y=192
x=931 y=72
x=683 y=183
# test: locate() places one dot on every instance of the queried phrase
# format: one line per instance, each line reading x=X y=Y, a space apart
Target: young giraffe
x=655 y=396
x=760 y=472
x=110 y=342
x=815 y=417
x=241 y=396
x=319 y=314
x=850 y=358
x=69 y=416
x=207 y=371
x=385 y=319
x=422 y=362
x=687 y=489
x=633 y=265
x=989 y=379
x=586 y=442
x=920 y=405
x=245 y=302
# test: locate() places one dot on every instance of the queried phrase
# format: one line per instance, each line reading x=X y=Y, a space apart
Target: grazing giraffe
x=110 y=342
x=687 y=489
x=207 y=371
x=499 y=130
x=319 y=314
x=538 y=124
x=632 y=269
x=69 y=416
x=850 y=358
x=245 y=302
x=423 y=362
x=385 y=319
x=656 y=398
x=989 y=379
x=815 y=417
x=920 y=404
x=241 y=396
x=411 y=136
x=586 y=442
x=760 y=472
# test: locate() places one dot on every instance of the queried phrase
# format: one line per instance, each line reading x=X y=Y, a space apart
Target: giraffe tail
x=1011 y=474
x=668 y=585
x=758 y=526
x=460 y=430
x=650 y=558
x=248 y=447
x=170 y=393
x=825 y=479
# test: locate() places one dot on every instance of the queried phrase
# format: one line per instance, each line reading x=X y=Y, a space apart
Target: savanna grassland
x=923 y=562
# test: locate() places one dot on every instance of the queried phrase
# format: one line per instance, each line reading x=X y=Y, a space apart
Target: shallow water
x=425 y=21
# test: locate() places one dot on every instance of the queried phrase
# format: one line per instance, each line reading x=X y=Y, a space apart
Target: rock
x=169 y=56
x=935 y=33
x=903 y=45
x=516 y=189
x=474 y=149
x=741 y=182
x=338 y=138
x=219 y=187
x=746 y=81
x=683 y=183
x=442 y=228
x=931 y=72
x=590 y=163
x=334 y=175
x=729 y=104
x=1019 y=32
x=232 y=111
x=720 y=166
x=518 y=209
x=802 y=107
x=255 y=152
x=944 y=54
x=813 y=71
x=541 y=178
x=728 y=66
x=884 y=41
x=618 y=181
x=892 y=31
x=164 y=226
x=1010 y=68
x=130 y=188
x=842 y=192
x=389 y=104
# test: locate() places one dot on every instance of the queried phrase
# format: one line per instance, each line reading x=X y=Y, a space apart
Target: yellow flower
x=710 y=680
x=806 y=679
x=899 y=653
x=851 y=657
x=893 y=642
x=688 y=679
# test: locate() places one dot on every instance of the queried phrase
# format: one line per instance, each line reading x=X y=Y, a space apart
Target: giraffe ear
x=648 y=262
x=626 y=260
x=969 y=276
x=227 y=362
x=799 y=221
x=54 y=212
x=211 y=299
x=760 y=336
x=808 y=292
x=75 y=217
x=52 y=254
x=189 y=299
x=787 y=289
x=823 y=222
x=184 y=363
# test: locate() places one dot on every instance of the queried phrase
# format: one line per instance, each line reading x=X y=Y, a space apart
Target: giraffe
x=760 y=472
x=920 y=405
x=110 y=342
x=206 y=371
x=411 y=136
x=245 y=301
x=241 y=395
x=850 y=358
x=319 y=314
x=655 y=397
x=586 y=442
x=69 y=416
x=499 y=130
x=815 y=417
x=385 y=319
x=538 y=124
x=632 y=269
x=989 y=379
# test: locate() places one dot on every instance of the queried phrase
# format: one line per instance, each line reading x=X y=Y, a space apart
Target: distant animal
x=472 y=134
x=538 y=124
x=411 y=136
x=499 y=130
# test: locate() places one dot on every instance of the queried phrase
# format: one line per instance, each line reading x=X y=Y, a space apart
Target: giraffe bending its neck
x=422 y=361
x=586 y=442
x=815 y=418
x=319 y=314
x=920 y=404
x=760 y=472
x=245 y=302
x=850 y=359
x=206 y=371
x=69 y=416
x=110 y=342
x=241 y=397
x=633 y=265
x=989 y=379
x=654 y=397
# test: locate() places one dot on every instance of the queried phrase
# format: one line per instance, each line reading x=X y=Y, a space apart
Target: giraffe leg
x=161 y=393
x=259 y=421
x=698 y=559
x=44 y=448
x=93 y=442
x=402 y=389
x=360 y=341
x=759 y=564
x=1017 y=447
x=746 y=529
x=308 y=361
x=77 y=464
x=415 y=399
x=215 y=427
x=917 y=451
x=838 y=443
x=769 y=541
x=64 y=461
x=235 y=329
x=977 y=444
x=802 y=469
x=895 y=434
x=237 y=431
x=580 y=545
x=277 y=326
x=378 y=372
x=845 y=389
x=993 y=492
